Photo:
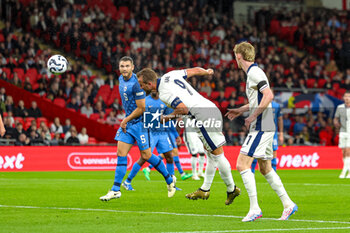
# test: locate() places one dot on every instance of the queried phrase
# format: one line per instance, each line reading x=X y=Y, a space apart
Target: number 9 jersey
x=174 y=89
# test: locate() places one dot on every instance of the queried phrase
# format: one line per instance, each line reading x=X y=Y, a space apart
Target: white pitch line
x=163 y=213
x=162 y=181
x=269 y=230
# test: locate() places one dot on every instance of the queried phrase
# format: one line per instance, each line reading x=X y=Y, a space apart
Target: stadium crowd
x=156 y=37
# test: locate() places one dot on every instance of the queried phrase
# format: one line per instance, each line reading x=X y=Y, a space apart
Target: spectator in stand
x=87 y=109
x=27 y=84
x=10 y=106
x=21 y=111
x=56 y=140
x=56 y=126
x=67 y=126
x=299 y=125
x=69 y=133
x=22 y=140
x=98 y=107
x=101 y=117
x=86 y=71
x=221 y=97
x=111 y=81
x=16 y=81
x=206 y=87
x=112 y=118
x=10 y=131
x=34 y=111
x=2 y=94
x=73 y=139
x=115 y=105
x=286 y=123
x=73 y=104
x=83 y=137
x=99 y=81
x=41 y=90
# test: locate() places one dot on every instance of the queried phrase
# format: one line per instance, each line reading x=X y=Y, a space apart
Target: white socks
x=276 y=184
x=194 y=165
x=209 y=172
x=201 y=160
x=346 y=166
x=249 y=184
x=225 y=171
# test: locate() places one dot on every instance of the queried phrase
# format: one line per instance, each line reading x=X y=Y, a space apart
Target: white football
x=57 y=64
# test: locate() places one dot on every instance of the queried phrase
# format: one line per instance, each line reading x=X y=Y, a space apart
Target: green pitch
x=69 y=202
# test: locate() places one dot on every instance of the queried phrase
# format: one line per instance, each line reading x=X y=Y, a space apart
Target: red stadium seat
x=214 y=95
x=310 y=83
x=60 y=102
x=92 y=140
x=19 y=120
x=42 y=119
x=29 y=119
x=94 y=116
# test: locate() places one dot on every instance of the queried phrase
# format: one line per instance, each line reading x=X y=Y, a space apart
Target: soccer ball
x=57 y=64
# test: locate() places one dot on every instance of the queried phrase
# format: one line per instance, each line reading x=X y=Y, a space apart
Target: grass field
x=69 y=202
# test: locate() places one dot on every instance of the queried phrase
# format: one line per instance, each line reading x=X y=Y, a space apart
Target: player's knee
x=146 y=155
x=240 y=166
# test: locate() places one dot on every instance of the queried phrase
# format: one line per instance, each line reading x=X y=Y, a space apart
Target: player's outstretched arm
x=141 y=107
x=336 y=122
x=180 y=110
x=198 y=71
x=265 y=101
x=280 y=130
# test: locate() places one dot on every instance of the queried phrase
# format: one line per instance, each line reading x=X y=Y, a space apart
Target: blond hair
x=246 y=50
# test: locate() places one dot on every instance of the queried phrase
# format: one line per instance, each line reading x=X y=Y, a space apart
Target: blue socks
x=255 y=161
x=159 y=165
x=177 y=163
x=135 y=169
x=120 y=171
x=170 y=168
x=273 y=164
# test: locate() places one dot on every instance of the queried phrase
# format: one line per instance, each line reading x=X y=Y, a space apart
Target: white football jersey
x=257 y=82
x=343 y=113
x=174 y=89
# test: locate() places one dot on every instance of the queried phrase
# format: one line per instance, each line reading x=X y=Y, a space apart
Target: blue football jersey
x=130 y=91
x=152 y=106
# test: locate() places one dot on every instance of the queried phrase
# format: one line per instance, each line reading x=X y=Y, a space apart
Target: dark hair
x=126 y=58
x=347 y=92
x=147 y=75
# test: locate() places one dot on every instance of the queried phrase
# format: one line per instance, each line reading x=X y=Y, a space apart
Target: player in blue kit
x=131 y=130
x=158 y=136
x=174 y=137
x=278 y=138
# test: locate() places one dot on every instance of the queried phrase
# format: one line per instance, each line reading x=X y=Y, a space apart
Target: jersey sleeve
x=178 y=73
x=337 y=113
x=138 y=92
x=170 y=99
x=259 y=80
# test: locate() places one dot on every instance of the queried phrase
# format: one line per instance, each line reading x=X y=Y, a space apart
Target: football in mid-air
x=57 y=64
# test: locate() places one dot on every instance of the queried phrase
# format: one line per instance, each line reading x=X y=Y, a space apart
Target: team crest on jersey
x=125 y=88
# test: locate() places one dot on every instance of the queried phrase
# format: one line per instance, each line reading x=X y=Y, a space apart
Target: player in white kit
x=194 y=146
x=177 y=93
x=258 y=143
x=342 y=120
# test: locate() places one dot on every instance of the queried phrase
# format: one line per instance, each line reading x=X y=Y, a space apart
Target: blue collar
x=254 y=64
x=158 y=82
x=132 y=75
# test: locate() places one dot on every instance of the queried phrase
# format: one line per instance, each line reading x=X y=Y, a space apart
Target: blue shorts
x=134 y=132
x=161 y=142
x=173 y=134
x=275 y=142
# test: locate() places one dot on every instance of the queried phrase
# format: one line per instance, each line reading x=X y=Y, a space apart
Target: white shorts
x=258 y=144
x=193 y=143
x=344 y=140
x=210 y=135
